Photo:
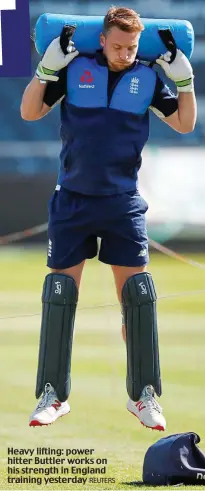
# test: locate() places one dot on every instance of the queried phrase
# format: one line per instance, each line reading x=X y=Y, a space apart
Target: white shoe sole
x=37 y=422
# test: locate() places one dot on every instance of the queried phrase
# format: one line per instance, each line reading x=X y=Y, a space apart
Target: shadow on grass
x=137 y=484
x=141 y=484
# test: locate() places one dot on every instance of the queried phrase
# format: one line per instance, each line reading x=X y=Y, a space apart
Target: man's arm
x=48 y=80
x=184 y=119
x=39 y=98
x=33 y=106
x=179 y=112
x=180 y=71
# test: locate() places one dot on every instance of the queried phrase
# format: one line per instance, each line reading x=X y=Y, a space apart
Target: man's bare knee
x=75 y=272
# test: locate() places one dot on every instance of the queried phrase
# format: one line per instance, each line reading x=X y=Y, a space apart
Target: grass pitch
x=98 y=418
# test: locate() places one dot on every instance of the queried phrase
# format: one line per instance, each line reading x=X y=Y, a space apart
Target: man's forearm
x=32 y=101
x=187 y=110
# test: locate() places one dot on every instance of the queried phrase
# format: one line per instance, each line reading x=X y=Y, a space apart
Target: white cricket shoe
x=147 y=410
x=49 y=408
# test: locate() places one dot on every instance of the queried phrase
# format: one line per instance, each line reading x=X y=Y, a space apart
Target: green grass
x=98 y=418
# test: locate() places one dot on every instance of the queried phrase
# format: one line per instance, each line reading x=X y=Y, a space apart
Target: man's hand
x=54 y=60
x=180 y=70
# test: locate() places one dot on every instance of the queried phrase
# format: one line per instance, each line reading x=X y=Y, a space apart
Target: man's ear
x=102 y=40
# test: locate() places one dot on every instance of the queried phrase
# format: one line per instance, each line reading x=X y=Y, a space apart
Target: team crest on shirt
x=134 y=85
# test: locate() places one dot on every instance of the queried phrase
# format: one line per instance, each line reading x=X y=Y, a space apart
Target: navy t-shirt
x=105 y=157
x=164 y=101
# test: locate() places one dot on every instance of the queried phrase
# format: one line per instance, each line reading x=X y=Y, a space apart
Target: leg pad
x=59 y=300
x=139 y=309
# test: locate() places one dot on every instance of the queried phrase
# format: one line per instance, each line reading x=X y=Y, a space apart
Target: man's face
x=120 y=48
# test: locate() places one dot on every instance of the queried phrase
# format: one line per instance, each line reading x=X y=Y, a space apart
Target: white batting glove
x=54 y=60
x=180 y=70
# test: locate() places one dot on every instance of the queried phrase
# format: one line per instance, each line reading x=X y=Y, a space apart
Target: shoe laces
x=150 y=401
x=153 y=404
x=48 y=396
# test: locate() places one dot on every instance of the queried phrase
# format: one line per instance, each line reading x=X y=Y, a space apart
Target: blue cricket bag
x=175 y=459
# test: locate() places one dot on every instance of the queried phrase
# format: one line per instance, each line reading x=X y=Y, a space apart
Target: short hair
x=124 y=18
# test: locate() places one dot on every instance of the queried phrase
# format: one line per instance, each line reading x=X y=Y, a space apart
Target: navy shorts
x=76 y=221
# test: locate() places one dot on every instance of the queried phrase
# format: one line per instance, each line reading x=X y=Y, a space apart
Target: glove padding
x=180 y=70
x=54 y=60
